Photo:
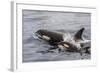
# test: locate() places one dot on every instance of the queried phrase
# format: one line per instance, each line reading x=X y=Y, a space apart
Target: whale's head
x=68 y=46
x=42 y=34
x=39 y=33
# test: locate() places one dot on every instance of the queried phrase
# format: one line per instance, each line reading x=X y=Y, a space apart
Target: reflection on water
x=57 y=21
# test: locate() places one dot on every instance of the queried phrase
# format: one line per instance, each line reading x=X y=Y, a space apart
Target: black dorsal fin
x=78 y=35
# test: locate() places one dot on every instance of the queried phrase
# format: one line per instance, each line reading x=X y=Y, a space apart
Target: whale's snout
x=37 y=35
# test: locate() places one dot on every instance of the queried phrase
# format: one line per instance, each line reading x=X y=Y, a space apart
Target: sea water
x=63 y=22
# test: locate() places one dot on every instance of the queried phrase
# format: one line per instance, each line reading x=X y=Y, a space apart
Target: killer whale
x=63 y=41
x=51 y=37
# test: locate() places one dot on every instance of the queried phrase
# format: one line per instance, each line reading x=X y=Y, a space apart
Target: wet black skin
x=54 y=37
x=78 y=35
x=57 y=39
x=70 y=48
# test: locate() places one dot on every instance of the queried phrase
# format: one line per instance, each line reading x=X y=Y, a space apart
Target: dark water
x=59 y=21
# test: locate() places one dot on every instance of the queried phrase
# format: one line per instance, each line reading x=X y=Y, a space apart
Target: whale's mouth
x=37 y=36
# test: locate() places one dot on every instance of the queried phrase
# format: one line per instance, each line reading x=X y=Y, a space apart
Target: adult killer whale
x=64 y=41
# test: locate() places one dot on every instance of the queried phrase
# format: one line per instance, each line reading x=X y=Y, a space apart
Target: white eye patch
x=46 y=37
x=66 y=45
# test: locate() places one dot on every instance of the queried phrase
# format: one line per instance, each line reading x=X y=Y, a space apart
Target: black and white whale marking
x=64 y=41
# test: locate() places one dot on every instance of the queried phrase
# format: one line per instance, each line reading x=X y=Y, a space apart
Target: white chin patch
x=46 y=37
x=61 y=47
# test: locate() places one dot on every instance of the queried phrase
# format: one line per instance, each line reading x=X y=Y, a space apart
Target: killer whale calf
x=64 y=41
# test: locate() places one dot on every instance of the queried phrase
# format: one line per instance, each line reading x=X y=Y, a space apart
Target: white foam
x=67 y=37
x=34 y=35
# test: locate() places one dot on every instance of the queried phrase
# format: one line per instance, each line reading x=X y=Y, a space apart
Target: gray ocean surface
x=57 y=21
